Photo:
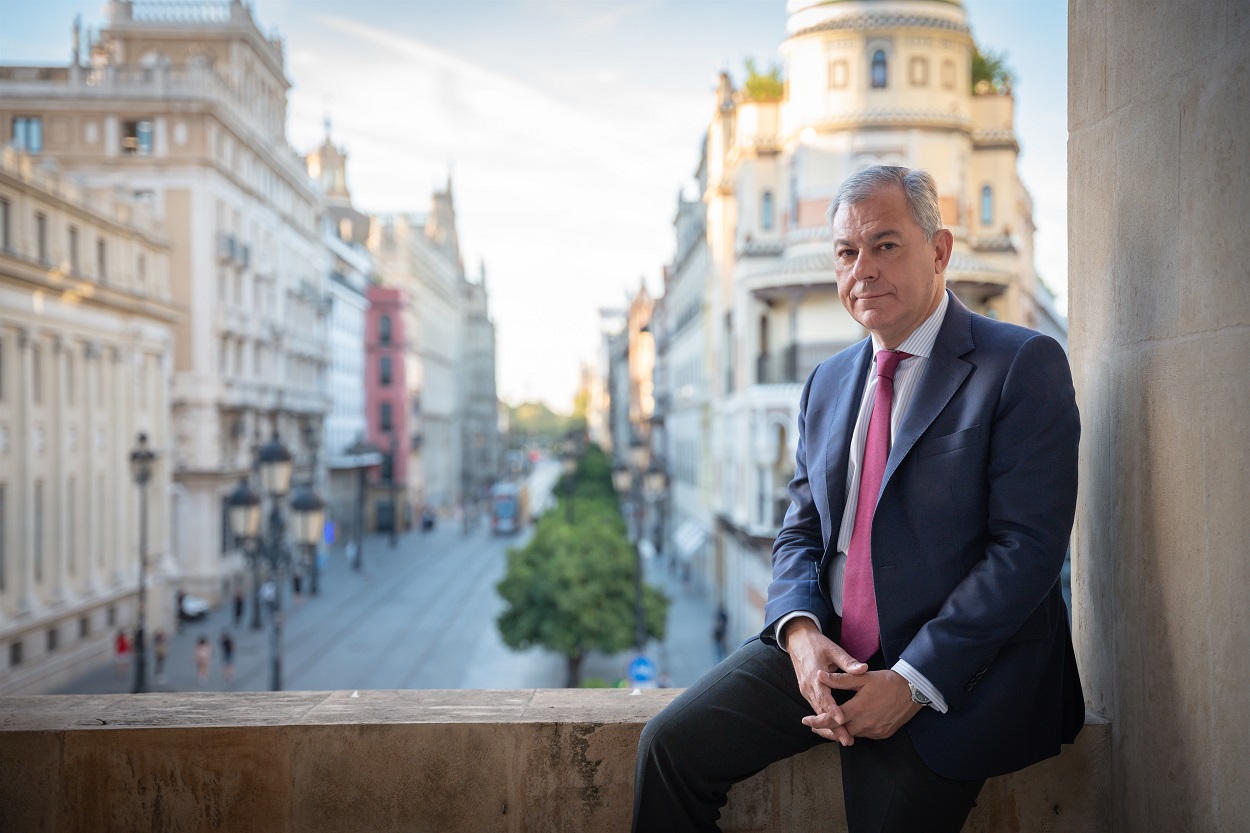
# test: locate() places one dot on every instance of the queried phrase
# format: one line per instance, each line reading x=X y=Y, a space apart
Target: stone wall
x=1159 y=287
x=445 y=761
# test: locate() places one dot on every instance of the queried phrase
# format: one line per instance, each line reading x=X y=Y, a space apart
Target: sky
x=568 y=128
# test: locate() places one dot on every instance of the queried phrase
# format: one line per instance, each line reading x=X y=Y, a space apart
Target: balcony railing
x=383 y=761
x=793 y=363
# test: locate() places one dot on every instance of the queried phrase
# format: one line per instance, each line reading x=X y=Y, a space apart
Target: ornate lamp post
x=245 y=524
x=141 y=460
x=359 y=449
x=308 y=521
x=656 y=480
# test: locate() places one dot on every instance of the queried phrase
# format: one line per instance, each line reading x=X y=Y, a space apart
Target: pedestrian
x=180 y=613
x=203 y=655
x=297 y=584
x=914 y=615
x=160 y=649
x=121 y=653
x=238 y=604
x=353 y=554
x=719 y=631
x=227 y=655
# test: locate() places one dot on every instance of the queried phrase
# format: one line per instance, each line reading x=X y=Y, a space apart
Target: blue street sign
x=642 y=672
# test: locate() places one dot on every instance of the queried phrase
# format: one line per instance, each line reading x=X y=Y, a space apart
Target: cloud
x=568 y=203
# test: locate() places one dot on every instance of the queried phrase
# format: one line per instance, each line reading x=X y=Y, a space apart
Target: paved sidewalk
x=252 y=647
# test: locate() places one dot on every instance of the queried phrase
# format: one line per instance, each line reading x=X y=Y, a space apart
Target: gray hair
x=917 y=184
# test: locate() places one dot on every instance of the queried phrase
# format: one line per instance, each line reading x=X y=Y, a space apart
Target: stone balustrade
x=379 y=761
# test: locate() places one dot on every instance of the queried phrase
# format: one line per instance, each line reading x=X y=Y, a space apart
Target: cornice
x=874 y=21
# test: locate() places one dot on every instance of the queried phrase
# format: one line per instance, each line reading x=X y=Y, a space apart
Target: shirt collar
x=920 y=342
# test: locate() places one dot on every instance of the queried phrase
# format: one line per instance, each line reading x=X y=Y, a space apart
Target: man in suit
x=914 y=615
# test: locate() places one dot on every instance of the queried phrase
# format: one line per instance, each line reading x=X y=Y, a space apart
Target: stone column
x=23 y=481
x=1159 y=195
x=90 y=511
x=55 y=498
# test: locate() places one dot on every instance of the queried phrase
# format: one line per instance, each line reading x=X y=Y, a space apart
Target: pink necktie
x=860 y=633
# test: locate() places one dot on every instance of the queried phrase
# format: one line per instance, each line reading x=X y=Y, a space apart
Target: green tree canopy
x=991 y=68
x=763 y=86
x=571 y=589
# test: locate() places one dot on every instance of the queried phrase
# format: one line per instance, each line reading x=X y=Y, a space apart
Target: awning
x=689 y=537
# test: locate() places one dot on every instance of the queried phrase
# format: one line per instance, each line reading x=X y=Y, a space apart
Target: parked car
x=191 y=608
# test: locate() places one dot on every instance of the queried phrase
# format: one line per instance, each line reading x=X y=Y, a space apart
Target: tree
x=990 y=72
x=571 y=588
x=763 y=86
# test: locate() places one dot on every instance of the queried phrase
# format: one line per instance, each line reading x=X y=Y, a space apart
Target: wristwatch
x=918 y=696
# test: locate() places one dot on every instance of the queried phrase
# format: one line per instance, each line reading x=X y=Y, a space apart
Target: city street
x=421 y=615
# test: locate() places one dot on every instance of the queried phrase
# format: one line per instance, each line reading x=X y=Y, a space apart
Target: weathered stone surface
x=308 y=762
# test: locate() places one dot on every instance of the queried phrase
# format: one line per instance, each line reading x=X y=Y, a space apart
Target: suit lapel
x=845 y=410
x=943 y=375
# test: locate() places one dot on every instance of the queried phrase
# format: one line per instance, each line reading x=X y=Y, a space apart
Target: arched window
x=987 y=205
x=384 y=329
x=878 y=69
x=766 y=211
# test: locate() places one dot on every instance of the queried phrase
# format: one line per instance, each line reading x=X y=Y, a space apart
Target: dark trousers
x=745 y=714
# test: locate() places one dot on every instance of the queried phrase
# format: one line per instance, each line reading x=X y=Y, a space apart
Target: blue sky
x=569 y=127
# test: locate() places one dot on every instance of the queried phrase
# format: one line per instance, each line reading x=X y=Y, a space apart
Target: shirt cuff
x=921 y=682
x=780 y=627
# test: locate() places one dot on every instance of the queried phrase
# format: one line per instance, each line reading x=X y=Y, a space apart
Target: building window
x=74 y=264
x=84 y=627
x=36 y=377
x=384 y=372
x=919 y=72
x=15 y=654
x=112 y=617
x=987 y=205
x=141 y=271
x=879 y=73
x=28 y=133
x=838 y=74
x=948 y=74
x=766 y=211
x=6 y=229
x=41 y=237
x=52 y=640
x=137 y=137
x=37 y=548
x=384 y=417
x=101 y=258
x=384 y=329
x=71 y=524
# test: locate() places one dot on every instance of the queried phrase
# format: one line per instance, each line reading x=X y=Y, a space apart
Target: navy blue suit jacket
x=968 y=538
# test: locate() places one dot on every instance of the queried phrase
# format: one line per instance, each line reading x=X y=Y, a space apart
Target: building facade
x=479 y=396
x=392 y=399
x=349 y=273
x=87 y=324
x=185 y=107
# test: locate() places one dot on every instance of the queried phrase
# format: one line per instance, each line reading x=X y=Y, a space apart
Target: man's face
x=889 y=277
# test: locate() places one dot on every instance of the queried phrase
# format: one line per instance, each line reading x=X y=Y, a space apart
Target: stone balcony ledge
x=533 y=760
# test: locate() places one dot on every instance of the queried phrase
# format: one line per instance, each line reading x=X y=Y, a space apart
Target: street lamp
x=656 y=480
x=358 y=450
x=245 y=524
x=308 y=521
x=141 y=460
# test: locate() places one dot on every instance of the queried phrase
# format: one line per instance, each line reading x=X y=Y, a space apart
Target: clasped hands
x=880 y=705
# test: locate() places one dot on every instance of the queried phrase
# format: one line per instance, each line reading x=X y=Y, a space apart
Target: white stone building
x=184 y=106
x=348 y=267
x=86 y=358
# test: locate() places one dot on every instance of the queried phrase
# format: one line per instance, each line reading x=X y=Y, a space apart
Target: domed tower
x=889 y=82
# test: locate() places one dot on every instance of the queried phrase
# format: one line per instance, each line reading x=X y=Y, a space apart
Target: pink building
x=392 y=390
